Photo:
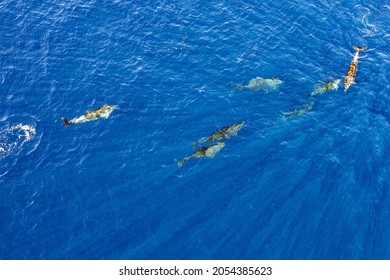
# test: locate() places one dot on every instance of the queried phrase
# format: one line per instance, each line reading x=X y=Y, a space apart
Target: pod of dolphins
x=256 y=84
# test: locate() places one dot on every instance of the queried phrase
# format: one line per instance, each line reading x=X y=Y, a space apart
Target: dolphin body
x=225 y=132
x=259 y=83
x=331 y=85
x=297 y=112
x=209 y=152
x=102 y=112
x=351 y=73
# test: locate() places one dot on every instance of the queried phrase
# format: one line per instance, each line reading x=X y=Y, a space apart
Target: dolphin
x=258 y=83
x=225 y=132
x=320 y=89
x=351 y=73
x=209 y=152
x=297 y=111
x=102 y=112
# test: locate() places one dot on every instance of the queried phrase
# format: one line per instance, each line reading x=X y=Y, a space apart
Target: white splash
x=26 y=131
x=13 y=138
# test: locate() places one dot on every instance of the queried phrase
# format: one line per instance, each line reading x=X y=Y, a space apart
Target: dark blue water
x=311 y=187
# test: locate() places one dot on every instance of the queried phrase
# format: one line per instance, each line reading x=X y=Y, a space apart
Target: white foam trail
x=369 y=29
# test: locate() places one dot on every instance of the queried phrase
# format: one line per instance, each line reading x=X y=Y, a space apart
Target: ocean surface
x=311 y=186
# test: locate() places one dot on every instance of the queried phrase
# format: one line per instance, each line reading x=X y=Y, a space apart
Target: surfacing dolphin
x=259 y=83
x=209 y=152
x=225 y=132
x=102 y=112
x=351 y=73
x=297 y=112
x=320 y=89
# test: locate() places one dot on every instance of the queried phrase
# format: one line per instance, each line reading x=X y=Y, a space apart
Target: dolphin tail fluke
x=180 y=162
x=238 y=87
x=66 y=122
x=313 y=93
x=359 y=48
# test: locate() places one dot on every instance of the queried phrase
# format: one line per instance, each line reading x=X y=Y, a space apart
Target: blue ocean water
x=311 y=187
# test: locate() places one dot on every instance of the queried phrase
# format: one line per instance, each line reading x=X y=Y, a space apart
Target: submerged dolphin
x=351 y=73
x=102 y=112
x=320 y=89
x=224 y=132
x=258 y=83
x=209 y=151
x=297 y=112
